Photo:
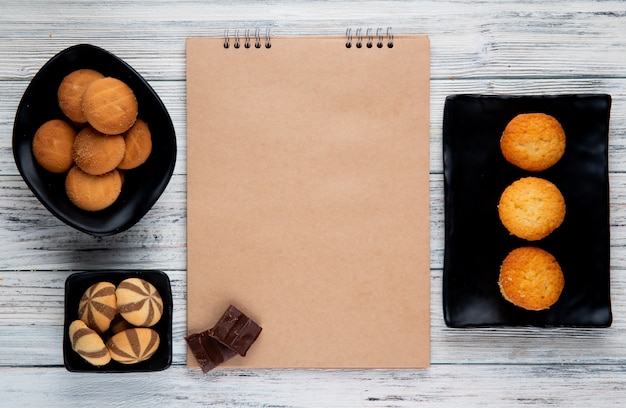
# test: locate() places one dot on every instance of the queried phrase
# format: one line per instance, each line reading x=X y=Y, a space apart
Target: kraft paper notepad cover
x=308 y=199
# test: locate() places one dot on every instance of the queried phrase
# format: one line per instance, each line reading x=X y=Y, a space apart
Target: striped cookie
x=97 y=306
x=139 y=302
x=133 y=345
x=88 y=344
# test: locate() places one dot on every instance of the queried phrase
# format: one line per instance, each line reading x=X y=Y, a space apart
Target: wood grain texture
x=510 y=47
x=440 y=386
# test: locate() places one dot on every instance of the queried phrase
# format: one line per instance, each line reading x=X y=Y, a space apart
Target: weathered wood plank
x=438 y=386
x=469 y=39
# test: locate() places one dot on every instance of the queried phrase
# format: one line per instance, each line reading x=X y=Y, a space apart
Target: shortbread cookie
x=70 y=93
x=531 y=208
x=110 y=106
x=531 y=278
x=139 y=302
x=52 y=145
x=138 y=142
x=533 y=141
x=92 y=193
x=96 y=153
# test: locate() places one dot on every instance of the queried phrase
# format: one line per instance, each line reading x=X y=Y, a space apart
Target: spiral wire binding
x=368 y=39
x=247 y=39
x=358 y=39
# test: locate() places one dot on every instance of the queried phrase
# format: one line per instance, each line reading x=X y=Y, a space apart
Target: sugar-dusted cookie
x=96 y=153
x=92 y=193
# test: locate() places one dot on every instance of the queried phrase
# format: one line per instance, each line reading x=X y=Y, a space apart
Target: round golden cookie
x=138 y=146
x=531 y=278
x=533 y=141
x=96 y=153
x=52 y=145
x=110 y=106
x=92 y=193
x=531 y=208
x=71 y=90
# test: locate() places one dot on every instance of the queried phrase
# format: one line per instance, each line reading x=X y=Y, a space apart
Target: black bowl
x=77 y=283
x=142 y=186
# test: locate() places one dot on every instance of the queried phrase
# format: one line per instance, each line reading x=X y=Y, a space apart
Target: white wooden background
x=506 y=47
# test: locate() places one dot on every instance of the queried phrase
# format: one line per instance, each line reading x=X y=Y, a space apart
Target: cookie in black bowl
x=75 y=287
x=141 y=186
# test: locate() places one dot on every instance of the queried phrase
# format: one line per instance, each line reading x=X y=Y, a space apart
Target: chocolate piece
x=208 y=352
x=235 y=330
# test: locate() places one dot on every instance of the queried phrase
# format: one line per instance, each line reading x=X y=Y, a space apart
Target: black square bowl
x=76 y=285
x=142 y=186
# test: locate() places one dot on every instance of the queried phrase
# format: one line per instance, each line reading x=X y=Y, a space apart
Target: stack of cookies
x=531 y=208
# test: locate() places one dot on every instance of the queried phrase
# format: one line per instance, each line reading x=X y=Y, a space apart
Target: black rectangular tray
x=476 y=242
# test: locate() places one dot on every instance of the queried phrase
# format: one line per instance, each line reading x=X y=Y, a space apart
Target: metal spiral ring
x=237 y=39
x=247 y=38
x=226 y=40
x=268 y=42
x=381 y=38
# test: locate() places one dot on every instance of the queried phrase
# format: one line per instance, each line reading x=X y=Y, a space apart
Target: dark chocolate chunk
x=208 y=351
x=235 y=330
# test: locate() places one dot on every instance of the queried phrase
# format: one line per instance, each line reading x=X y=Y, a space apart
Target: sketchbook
x=308 y=196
